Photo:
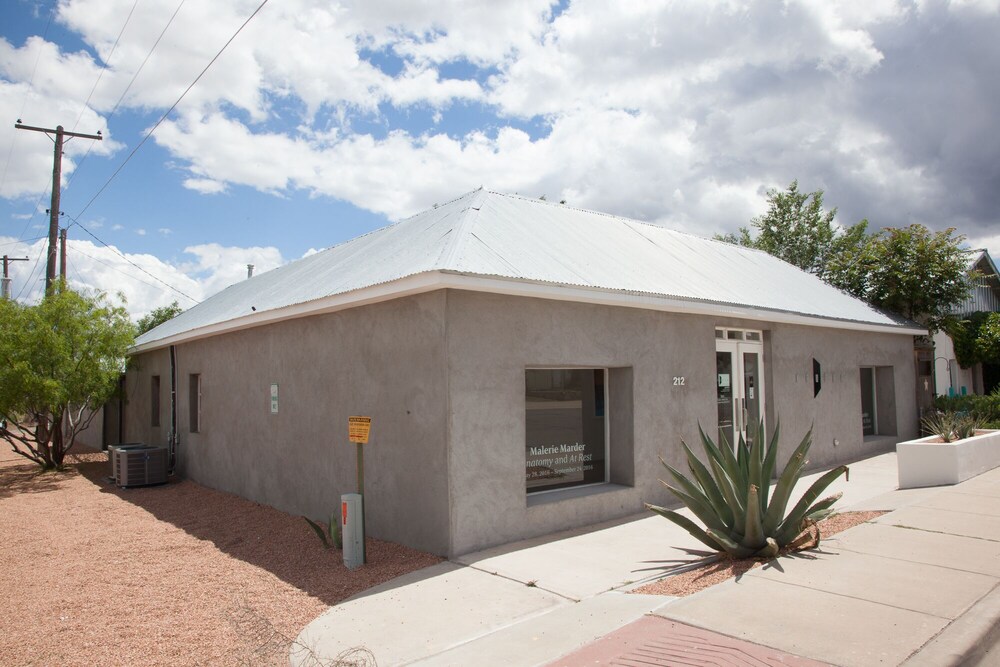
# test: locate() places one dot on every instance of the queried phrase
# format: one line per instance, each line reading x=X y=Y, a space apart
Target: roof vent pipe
x=249 y=270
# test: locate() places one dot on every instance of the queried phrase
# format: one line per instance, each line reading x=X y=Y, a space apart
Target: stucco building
x=950 y=378
x=524 y=363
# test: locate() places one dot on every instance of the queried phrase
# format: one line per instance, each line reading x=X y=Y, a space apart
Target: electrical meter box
x=353 y=529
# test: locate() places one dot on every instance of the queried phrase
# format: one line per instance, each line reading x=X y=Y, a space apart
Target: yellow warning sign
x=358 y=429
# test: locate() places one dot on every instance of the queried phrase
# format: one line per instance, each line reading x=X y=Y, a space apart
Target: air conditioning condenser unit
x=141 y=466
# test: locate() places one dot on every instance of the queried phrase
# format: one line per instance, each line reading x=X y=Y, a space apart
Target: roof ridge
x=460 y=229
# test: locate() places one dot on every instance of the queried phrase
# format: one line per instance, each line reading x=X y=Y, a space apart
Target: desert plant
x=730 y=496
x=334 y=539
x=951 y=426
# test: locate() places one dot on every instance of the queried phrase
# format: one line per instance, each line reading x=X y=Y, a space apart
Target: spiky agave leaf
x=786 y=482
x=793 y=520
x=687 y=524
x=753 y=531
x=319 y=531
x=699 y=506
x=730 y=493
x=708 y=484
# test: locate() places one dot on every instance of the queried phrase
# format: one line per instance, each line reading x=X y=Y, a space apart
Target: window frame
x=194 y=402
x=607 y=428
x=154 y=401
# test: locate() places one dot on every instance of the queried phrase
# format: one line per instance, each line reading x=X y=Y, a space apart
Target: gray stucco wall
x=385 y=361
x=443 y=376
x=492 y=339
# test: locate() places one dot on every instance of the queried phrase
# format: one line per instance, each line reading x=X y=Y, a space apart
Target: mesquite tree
x=60 y=361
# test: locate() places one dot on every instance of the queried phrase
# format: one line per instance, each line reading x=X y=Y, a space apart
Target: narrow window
x=154 y=401
x=566 y=419
x=194 y=399
x=869 y=418
x=878 y=401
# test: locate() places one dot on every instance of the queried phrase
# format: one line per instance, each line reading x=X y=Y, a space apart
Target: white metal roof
x=495 y=242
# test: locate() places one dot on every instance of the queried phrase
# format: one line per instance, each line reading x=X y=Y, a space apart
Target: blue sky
x=322 y=121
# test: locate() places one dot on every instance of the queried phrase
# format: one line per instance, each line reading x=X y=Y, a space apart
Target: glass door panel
x=751 y=395
x=724 y=395
x=739 y=367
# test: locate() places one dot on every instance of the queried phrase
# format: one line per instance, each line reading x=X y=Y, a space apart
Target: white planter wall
x=926 y=463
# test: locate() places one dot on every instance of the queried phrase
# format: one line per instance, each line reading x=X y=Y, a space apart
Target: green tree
x=799 y=230
x=59 y=362
x=911 y=271
x=988 y=340
x=158 y=316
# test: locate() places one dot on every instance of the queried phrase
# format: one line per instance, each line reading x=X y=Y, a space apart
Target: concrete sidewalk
x=919 y=585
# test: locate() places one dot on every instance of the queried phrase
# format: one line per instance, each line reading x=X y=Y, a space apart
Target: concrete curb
x=970 y=640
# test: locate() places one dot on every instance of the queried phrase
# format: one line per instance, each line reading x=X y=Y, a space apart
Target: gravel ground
x=171 y=575
x=701 y=578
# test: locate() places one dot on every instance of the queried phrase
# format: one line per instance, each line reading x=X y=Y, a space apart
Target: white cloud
x=145 y=281
x=678 y=112
x=217 y=267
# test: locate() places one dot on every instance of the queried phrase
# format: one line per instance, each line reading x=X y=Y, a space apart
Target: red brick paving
x=654 y=641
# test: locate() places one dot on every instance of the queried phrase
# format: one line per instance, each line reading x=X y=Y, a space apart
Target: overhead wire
x=150 y=133
x=107 y=62
x=172 y=107
x=121 y=97
x=141 y=143
x=125 y=257
x=24 y=104
x=114 y=268
x=32 y=274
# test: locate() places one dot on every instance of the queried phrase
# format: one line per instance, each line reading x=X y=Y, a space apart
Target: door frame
x=737 y=342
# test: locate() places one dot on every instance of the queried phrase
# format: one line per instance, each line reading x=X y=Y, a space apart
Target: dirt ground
x=171 y=575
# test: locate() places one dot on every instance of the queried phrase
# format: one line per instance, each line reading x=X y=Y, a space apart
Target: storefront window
x=566 y=428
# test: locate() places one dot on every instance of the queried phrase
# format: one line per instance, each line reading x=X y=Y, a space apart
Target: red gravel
x=692 y=581
x=172 y=575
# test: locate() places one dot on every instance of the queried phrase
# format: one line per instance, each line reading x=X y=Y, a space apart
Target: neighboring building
x=524 y=363
x=950 y=378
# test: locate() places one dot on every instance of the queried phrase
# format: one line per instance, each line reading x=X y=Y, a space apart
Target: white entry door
x=739 y=367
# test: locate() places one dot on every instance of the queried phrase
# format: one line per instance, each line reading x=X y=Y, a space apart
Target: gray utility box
x=141 y=466
x=113 y=460
x=352 y=529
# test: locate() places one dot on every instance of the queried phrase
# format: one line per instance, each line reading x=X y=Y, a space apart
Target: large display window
x=566 y=439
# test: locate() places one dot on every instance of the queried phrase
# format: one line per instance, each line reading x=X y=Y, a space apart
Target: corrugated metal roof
x=491 y=234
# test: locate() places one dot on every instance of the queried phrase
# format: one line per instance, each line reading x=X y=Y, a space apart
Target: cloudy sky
x=324 y=120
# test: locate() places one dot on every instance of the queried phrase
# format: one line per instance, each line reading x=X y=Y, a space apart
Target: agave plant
x=950 y=426
x=730 y=495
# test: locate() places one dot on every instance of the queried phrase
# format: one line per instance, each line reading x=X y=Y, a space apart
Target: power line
x=121 y=97
x=172 y=107
x=32 y=274
x=37 y=238
x=24 y=104
x=106 y=63
x=113 y=268
x=123 y=256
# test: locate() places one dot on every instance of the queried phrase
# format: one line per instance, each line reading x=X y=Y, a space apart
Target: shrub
x=985 y=409
x=730 y=496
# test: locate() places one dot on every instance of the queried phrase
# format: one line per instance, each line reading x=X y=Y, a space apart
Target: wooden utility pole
x=62 y=254
x=5 y=291
x=50 y=264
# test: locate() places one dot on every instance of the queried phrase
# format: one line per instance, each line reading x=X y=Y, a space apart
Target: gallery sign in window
x=566 y=437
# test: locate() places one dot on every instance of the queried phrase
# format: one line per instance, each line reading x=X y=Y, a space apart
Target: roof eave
x=435 y=280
